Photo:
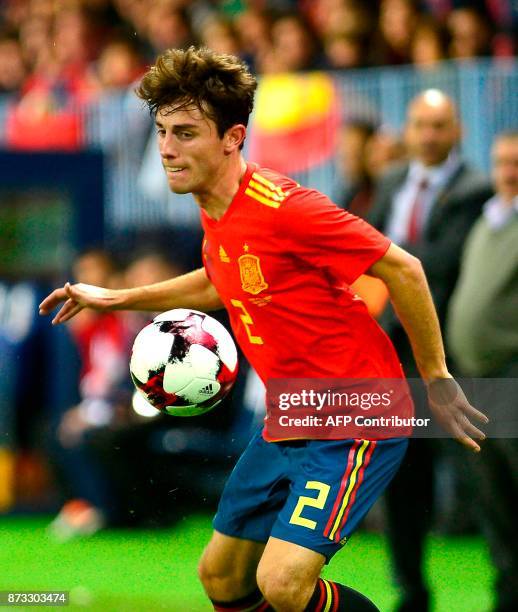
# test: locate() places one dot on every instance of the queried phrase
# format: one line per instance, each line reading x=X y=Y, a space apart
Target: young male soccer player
x=280 y=258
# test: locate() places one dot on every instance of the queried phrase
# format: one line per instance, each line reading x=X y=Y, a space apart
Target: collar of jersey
x=250 y=169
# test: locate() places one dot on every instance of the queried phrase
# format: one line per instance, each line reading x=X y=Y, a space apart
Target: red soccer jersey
x=282 y=259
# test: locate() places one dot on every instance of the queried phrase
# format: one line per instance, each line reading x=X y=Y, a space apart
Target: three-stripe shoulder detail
x=265 y=192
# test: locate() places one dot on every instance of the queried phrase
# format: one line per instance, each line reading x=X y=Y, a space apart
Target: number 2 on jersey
x=247 y=321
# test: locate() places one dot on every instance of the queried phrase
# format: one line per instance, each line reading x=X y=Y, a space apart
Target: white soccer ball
x=184 y=362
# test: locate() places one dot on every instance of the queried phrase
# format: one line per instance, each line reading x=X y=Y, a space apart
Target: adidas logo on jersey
x=207 y=390
x=223 y=255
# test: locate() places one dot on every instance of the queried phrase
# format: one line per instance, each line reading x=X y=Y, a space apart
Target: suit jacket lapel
x=444 y=198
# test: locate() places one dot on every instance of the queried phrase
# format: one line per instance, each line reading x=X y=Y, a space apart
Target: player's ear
x=234 y=137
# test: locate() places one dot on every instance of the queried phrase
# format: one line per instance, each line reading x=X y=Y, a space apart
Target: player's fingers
x=72 y=312
x=66 y=306
x=471 y=412
x=72 y=309
x=461 y=436
x=69 y=310
x=62 y=311
x=52 y=300
x=473 y=431
x=469 y=443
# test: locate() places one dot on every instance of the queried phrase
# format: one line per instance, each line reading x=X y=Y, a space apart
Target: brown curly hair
x=218 y=84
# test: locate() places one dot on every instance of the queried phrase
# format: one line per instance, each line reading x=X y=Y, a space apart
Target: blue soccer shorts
x=313 y=493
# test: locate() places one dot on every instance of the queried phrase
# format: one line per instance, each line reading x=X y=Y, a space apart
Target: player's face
x=190 y=148
x=505 y=168
x=432 y=131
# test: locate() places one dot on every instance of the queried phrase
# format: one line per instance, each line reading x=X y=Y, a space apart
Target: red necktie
x=415 y=220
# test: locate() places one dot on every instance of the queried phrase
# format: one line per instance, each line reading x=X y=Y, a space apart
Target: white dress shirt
x=498 y=213
x=403 y=201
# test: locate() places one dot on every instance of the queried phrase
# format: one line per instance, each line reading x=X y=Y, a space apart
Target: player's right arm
x=191 y=290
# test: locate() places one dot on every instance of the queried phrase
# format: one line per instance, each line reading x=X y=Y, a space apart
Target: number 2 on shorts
x=318 y=502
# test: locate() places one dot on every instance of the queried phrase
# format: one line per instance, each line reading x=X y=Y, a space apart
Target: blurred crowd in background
x=82 y=48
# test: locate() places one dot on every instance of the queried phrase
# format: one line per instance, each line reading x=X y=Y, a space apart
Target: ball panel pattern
x=184 y=362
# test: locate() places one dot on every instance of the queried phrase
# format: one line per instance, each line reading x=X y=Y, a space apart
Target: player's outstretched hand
x=75 y=298
x=452 y=410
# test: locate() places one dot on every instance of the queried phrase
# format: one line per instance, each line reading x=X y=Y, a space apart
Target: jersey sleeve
x=325 y=236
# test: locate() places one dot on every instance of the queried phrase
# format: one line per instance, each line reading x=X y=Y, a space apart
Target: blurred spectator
x=103 y=346
x=382 y=150
x=78 y=36
x=14 y=13
x=119 y=65
x=430 y=43
x=348 y=17
x=295 y=46
x=483 y=336
x=345 y=28
x=471 y=34
x=504 y=14
x=148 y=267
x=103 y=341
x=220 y=35
x=12 y=66
x=364 y=153
x=501 y=15
x=353 y=139
x=440 y=9
x=254 y=29
x=427 y=206
x=65 y=47
x=398 y=20
x=133 y=14
x=35 y=35
x=167 y=26
x=483 y=339
x=345 y=51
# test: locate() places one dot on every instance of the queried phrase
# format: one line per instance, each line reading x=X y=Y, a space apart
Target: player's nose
x=167 y=148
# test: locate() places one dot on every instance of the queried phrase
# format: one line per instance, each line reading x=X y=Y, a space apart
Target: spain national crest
x=252 y=279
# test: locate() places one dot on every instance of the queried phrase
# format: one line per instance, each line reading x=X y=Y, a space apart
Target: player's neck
x=224 y=187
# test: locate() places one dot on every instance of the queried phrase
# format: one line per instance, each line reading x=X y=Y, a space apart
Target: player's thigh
x=287 y=568
x=230 y=559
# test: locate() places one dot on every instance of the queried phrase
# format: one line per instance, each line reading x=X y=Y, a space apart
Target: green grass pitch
x=144 y=571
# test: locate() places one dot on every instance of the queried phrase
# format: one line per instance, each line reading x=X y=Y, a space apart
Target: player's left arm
x=406 y=282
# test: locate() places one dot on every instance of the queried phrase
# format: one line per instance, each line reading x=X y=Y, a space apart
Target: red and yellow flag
x=295 y=122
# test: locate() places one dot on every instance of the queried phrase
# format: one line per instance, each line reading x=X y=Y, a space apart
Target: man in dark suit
x=426 y=206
